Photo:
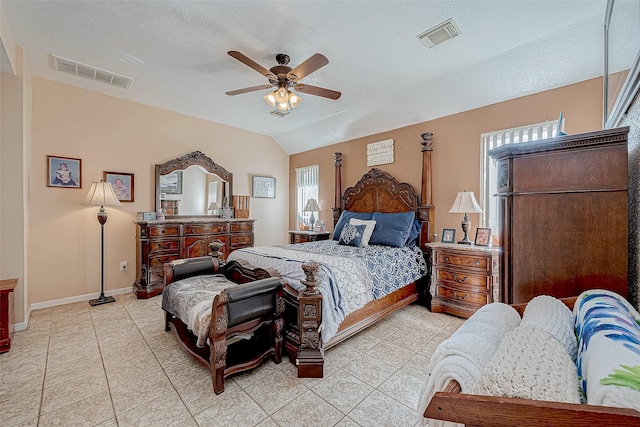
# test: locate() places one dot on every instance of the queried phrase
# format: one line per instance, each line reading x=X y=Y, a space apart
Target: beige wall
x=456 y=155
x=110 y=134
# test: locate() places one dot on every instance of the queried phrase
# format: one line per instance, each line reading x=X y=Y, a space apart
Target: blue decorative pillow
x=345 y=217
x=414 y=233
x=351 y=235
x=392 y=229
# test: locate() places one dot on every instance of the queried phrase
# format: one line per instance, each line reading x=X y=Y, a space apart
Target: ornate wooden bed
x=376 y=191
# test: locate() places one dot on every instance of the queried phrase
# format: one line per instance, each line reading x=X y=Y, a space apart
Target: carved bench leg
x=167 y=319
x=218 y=341
x=278 y=326
x=310 y=359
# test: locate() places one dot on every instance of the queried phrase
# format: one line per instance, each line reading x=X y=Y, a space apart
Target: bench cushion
x=190 y=300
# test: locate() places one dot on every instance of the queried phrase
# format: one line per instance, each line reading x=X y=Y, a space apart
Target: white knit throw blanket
x=465 y=354
x=609 y=349
x=551 y=315
x=530 y=364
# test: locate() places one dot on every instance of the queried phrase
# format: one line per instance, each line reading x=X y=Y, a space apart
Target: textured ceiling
x=176 y=53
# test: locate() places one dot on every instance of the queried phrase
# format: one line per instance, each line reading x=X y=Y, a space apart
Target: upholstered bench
x=228 y=316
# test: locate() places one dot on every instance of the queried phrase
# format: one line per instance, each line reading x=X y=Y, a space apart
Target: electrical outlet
x=124 y=265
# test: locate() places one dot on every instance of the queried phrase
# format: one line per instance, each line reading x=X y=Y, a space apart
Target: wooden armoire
x=564 y=215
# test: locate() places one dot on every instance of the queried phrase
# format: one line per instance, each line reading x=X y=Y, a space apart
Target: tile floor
x=114 y=365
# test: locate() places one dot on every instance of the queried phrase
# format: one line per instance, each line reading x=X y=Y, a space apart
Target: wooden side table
x=6 y=313
x=463 y=277
x=300 y=236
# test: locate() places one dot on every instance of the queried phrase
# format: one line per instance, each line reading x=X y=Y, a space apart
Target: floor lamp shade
x=101 y=194
x=465 y=203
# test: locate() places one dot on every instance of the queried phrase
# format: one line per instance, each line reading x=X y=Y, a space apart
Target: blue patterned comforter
x=349 y=277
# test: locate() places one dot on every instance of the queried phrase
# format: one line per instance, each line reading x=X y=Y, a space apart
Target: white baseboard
x=54 y=303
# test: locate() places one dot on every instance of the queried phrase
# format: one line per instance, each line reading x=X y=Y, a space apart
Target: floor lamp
x=101 y=194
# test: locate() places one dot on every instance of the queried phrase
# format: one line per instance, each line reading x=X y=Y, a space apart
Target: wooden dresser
x=6 y=313
x=563 y=219
x=463 y=277
x=161 y=241
x=301 y=236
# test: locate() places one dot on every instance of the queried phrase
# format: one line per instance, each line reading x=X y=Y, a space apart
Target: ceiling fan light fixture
x=282 y=95
x=270 y=99
x=284 y=106
x=294 y=99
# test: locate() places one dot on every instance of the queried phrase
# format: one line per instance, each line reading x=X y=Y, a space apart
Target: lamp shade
x=311 y=206
x=101 y=194
x=213 y=206
x=465 y=203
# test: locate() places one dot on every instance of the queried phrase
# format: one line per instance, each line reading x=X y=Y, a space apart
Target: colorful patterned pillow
x=352 y=235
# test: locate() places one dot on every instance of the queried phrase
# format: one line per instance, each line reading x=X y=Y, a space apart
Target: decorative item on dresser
x=564 y=212
x=311 y=206
x=301 y=236
x=6 y=313
x=241 y=206
x=162 y=241
x=465 y=203
x=463 y=277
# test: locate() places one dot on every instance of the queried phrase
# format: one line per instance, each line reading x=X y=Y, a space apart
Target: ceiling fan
x=284 y=78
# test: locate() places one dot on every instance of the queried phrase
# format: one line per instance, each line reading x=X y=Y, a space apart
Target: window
x=306 y=188
x=488 y=169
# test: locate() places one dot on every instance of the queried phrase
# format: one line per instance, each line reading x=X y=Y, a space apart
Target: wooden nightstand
x=299 y=236
x=463 y=277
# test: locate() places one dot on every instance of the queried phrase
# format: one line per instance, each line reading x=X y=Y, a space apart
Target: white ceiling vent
x=279 y=113
x=89 y=72
x=440 y=33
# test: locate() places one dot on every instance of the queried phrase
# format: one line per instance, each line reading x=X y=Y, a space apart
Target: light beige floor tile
x=370 y=370
x=379 y=410
x=124 y=372
x=164 y=411
x=231 y=408
x=245 y=379
x=113 y=340
x=66 y=354
x=275 y=390
x=308 y=409
x=361 y=342
x=91 y=410
x=267 y=422
x=418 y=365
x=128 y=351
x=347 y=422
x=343 y=391
x=22 y=409
x=198 y=395
x=390 y=354
x=341 y=355
x=72 y=391
x=63 y=372
x=382 y=330
x=182 y=373
x=109 y=423
x=404 y=388
x=139 y=391
x=81 y=339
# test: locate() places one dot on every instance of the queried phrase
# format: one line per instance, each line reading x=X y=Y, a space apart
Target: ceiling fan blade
x=315 y=62
x=318 y=91
x=251 y=63
x=248 y=89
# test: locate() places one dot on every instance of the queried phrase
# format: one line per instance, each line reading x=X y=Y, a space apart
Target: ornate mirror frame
x=195 y=158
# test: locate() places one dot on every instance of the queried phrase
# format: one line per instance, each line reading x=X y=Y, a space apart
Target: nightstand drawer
x=462 y=278
x=458 y=295
x=463 y=260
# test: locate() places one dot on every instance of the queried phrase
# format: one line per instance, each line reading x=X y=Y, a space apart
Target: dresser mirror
x=188 y=185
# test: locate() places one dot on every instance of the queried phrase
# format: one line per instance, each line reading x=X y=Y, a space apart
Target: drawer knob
x=477 y=262
x=446 y=258
x=456 y=295
x=163 y=231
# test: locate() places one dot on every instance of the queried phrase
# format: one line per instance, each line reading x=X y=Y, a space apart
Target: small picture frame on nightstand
x=483 y=237
x=448 y=235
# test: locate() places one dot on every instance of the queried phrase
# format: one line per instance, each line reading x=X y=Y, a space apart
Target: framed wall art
x=171 y=183
x=64 y=172
x=122 y=184
x=264 y=186
x=483 y=237
x=448 y=235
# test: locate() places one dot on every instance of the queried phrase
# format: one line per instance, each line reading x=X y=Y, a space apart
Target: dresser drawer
x=462 y=278
x=164 y=245
x=241 y=239
x=156 y=276
x=470 y=261
x=197 y=229
x=299 y=238
x=241 y=227
x=158 y=260
x=460 y=295
x=164 y=230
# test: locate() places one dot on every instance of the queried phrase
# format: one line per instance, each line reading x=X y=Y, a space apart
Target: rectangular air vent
x=440 y=33
x=279 y=113
x=89 y=72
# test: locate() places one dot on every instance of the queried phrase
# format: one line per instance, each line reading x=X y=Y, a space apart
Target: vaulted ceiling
x=176 y=54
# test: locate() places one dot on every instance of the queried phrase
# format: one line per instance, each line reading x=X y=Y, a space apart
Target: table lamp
x=465 y=203
x=311 y=206
x=213 y=207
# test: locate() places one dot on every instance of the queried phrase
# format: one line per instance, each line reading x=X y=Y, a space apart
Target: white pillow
x=368 y=231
